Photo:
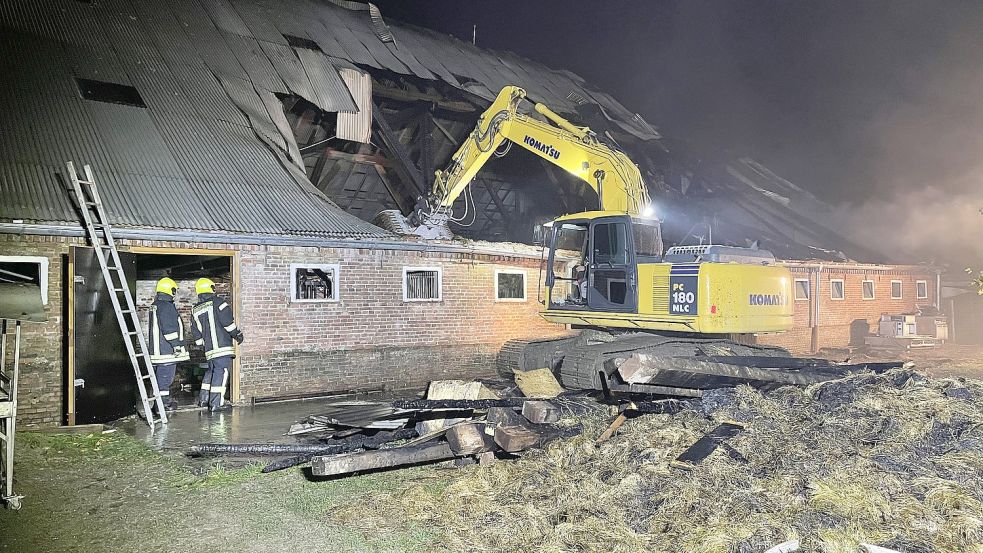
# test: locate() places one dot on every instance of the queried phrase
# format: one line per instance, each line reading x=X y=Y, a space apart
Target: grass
x=90 y=492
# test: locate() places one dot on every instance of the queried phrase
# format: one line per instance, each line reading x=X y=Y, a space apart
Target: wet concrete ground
x=261 y=423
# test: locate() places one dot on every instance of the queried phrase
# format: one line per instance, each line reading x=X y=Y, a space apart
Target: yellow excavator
x=606 y=273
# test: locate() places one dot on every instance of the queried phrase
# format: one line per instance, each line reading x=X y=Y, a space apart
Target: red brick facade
x=369 y=339
x=844 y=322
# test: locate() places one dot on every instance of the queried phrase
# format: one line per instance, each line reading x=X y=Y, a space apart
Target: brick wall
x=369 y=339
x=42 y=377
x=844 y=322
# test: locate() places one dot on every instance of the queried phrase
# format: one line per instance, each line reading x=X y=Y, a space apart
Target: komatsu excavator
x=606 y=273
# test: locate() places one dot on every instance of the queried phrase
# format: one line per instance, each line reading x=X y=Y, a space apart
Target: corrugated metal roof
x=212 y=140
x=208 y=71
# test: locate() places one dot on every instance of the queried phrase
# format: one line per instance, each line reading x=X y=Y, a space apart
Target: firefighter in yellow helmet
x=166 y=338
x=214 y=328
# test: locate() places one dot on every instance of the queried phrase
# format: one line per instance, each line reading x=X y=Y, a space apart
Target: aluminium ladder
x=101 y=237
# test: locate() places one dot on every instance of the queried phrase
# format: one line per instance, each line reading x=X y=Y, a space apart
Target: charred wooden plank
x=463 y=404
x=687 y=460
x=348 y=463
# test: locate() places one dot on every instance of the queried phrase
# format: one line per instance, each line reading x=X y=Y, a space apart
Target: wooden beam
x=347 y=463
x=409 y=95
x=369 y=159
x=397 y=197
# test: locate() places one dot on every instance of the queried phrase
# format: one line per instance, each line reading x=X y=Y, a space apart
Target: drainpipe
x=938 y=290
x=814 y=346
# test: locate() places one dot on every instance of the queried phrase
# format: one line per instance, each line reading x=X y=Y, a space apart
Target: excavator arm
x=574 y=149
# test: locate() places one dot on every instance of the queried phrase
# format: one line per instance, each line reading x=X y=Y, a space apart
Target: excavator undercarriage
x=663 y=364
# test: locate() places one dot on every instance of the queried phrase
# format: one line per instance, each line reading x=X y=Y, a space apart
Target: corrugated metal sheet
x=329 y=88
x=289 y=68
x=256 y=63
x=357 y=126
x=224 y=17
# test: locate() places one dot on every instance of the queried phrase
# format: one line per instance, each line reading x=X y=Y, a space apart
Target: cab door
x=612 y=280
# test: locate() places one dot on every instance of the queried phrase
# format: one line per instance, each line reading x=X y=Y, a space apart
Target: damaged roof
x=200 y=141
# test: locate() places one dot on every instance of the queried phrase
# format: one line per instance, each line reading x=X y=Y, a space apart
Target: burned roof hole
x=113 y=93
x=300 y=42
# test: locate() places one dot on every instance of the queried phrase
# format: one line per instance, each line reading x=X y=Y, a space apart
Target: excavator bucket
x=433 y=227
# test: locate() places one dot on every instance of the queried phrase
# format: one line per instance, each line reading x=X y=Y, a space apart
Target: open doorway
x=185 y=269
x=102 y=386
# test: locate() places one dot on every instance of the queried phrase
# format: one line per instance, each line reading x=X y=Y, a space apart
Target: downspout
x=815 y=310
x=938 y=289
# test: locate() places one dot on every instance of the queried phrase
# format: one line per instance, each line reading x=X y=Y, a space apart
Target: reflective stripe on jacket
x=213 y=326
x=166 y=331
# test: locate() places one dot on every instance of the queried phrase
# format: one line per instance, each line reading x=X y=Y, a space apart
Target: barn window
x=836 y=289
x=921 y=289
x=422 y=283
x=26 y=269
x=868 y=289
x=801 y=289
x=895 y=289
x=112 y=93
x=313 y=283
x=510 y=285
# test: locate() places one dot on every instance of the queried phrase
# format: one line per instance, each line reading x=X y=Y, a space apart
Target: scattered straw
x=883 y=459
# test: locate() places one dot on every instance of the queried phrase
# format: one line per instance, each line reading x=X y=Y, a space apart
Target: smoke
x=923 y=173
x=931 y=224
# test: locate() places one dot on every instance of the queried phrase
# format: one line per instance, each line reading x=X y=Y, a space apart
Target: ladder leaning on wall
x=99 y=233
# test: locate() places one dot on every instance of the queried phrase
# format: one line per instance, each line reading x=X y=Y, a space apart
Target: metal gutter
x=263 y=240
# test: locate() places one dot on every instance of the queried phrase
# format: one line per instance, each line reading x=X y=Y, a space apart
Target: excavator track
x=584 y=361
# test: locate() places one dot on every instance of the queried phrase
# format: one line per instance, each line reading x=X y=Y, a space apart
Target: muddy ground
x=111 y=492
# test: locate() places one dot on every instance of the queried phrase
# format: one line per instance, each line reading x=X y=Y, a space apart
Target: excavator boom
x=574 y=149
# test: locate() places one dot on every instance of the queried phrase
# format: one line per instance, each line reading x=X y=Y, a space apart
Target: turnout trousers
x=214 y=382
x=165 y=377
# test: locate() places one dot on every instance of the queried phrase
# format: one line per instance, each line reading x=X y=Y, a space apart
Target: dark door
x=611 y=285
x=105 y=387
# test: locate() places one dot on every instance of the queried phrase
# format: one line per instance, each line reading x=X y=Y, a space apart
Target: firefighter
x=166 y=339
x=213 y=327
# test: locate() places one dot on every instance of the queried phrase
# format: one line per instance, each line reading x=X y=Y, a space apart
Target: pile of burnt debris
x=460 y=421
x=465 y=422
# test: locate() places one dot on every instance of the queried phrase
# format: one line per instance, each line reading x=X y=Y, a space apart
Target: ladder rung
x=118 y=289
x=80 y=181
x=148 y=376
x=132 y=332
x=91 y=203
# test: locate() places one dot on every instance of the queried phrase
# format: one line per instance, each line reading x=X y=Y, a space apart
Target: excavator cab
x=593 y=261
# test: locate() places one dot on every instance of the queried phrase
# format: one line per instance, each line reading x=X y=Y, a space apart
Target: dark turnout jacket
x=166 y=332
x=213 y=326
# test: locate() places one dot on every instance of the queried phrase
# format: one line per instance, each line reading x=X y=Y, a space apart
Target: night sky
x=875 y=106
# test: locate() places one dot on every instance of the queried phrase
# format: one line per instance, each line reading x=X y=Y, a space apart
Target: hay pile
x=894 y=460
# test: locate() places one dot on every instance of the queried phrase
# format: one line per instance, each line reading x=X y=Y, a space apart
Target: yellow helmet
x=204 y=286
x=167 y=286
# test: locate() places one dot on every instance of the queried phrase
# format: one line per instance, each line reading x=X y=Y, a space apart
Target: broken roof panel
x=330 y=89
